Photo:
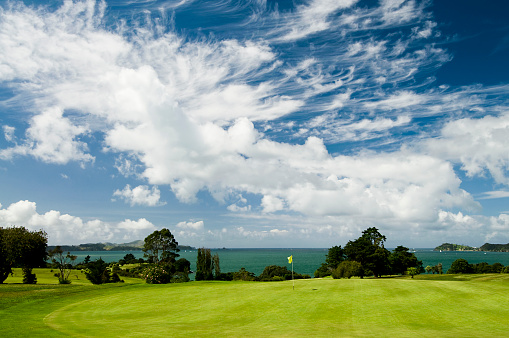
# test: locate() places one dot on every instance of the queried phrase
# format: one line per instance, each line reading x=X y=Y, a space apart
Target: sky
x=256 y=123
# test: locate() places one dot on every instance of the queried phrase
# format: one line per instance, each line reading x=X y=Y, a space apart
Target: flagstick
x=293 y=281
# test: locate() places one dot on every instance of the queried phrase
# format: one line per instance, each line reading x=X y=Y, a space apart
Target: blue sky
x=256 y=123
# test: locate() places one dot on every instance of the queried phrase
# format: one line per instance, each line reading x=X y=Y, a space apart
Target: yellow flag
x=290 y=259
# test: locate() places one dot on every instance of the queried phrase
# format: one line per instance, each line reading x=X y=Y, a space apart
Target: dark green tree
x=370 y=252
x=22 y=248
x=401 y=259
x=97 y=272
x=204 y=265
x=64 y=263
x=460 y=266
x=161 y=246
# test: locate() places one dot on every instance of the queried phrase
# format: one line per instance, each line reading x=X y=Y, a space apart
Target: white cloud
x=480 y=145
x=67 y=229
x=494 y=194
x=52 y=138
x=9 y=133
x=140 y=195
x=198 y=225
x=312 y=18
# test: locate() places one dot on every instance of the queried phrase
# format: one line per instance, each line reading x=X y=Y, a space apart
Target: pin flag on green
x=290 y=261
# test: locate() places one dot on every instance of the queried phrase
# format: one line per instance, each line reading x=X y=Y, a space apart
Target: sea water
x=305 y=261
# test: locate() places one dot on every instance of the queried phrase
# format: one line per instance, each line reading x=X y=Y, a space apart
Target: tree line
x=367 y=256
x=364 y=256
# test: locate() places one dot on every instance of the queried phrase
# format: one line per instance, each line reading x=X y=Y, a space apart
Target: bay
x=305 y=261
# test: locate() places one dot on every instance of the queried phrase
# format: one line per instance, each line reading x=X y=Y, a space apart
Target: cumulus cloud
x=140 y=195
x=199 y=225
x=478 y=144
x=68 y=229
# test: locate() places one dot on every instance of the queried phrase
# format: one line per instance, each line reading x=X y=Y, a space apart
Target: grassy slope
x=440 y=305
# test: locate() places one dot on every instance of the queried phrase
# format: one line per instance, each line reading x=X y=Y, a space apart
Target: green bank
x=442 y=306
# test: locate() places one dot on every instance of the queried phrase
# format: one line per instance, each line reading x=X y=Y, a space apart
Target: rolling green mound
x=440 y=306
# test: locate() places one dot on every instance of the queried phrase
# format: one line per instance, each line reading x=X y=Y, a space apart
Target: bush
x=157 y=274
x=244 y=275
x=347 y=269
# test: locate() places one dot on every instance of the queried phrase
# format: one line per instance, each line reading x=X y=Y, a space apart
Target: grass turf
x=443 y=306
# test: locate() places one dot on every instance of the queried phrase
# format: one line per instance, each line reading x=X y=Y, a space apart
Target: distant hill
x=131 y=246
x=495 y=247
x=454 y=247
x=484 y=247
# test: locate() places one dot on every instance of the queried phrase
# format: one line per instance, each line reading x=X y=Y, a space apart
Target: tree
x=401 y=259
x=63 y=263
x=22 y=248
x=204 y=265
x=217 y=267
x=97 y=272
x=460 y=266
x=412 y=271
x=370 y=252
x=161 y=246
x=333 y=258
x=428 y=268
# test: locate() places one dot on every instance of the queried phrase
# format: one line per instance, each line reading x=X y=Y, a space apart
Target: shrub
x=244 y=275
x=157 y=274
x=347 y=269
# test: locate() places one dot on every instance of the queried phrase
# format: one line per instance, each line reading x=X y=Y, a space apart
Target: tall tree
x=22 y=248
x=204 y=265
x=161 y=247
x=370 y=252
x=401 y=259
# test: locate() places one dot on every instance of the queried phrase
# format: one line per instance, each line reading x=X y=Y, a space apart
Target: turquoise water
x=305 y=261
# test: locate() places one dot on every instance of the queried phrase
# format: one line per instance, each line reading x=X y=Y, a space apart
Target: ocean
x=305 y=261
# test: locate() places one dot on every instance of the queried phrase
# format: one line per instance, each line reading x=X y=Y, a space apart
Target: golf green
x=356 y=307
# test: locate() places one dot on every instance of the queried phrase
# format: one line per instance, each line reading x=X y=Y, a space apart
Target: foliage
x=347 y=269
x=97 y=272
x=128 y=259
x=401 y=259
x=183 y=265
x=279 y=273
x=158 y=274
x=333 y=258
x=412 y=271
x=460 y=266
x=204 y=265
x=20 y=247
x=63 y=263
x=370 y=252
x=161 y=246
x=244 y=275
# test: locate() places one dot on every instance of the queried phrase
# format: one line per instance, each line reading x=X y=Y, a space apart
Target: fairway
x=355 y=307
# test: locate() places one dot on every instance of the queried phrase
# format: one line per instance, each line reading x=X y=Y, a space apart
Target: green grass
x=441 y=306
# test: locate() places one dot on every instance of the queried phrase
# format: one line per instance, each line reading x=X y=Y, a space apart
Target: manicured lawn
x=440 y=306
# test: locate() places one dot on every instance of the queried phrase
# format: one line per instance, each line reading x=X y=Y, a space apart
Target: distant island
x=454 y=247
x=131 y=246
x=484 y=247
